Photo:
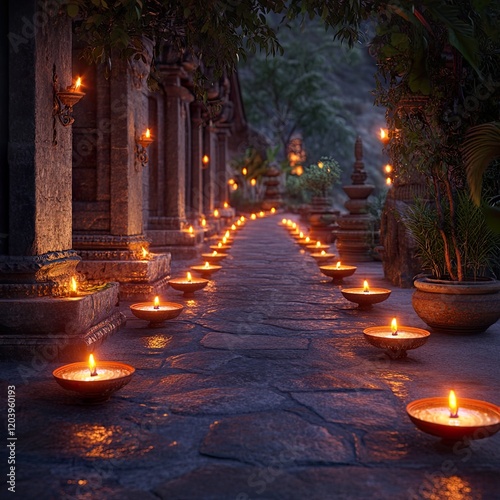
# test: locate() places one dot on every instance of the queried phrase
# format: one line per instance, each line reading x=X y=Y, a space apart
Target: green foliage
x=296 y=92
x=478 y=245
x=319 y=178
x=294 y=188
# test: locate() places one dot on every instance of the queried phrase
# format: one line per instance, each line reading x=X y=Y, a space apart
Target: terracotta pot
x=459 y=307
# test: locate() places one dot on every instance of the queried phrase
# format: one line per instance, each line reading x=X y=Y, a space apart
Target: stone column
x=37 y=315
x=168 y=230
x=196 y=160
x=209 y=148
x=222 y=174
x=108 y=192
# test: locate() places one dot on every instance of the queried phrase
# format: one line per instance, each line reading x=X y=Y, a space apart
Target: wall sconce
x=63 y=102
x=141 y=152
x=205 y=161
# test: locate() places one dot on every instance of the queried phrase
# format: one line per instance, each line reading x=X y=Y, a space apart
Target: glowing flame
x=253 y=182
x=308 y=239
x=214 y=252
x=338 y=265
x=227 y=234
x=74 y=286
x=288 y=222
x=207 y=265
x=273 y=210
x=234 y=187
x=294 y=225
x=78 y=84
x=244 y=171
x=388 y=168
x=320 y=164
x=144 y=252
x=453 y=404
x=216 y=213
x=191 y=230
x=384 y=134
x=323 y=252
x=148 y=133
x=238 y=223
x=226 y=204
x=189 y=277
x=233 y=227
x=205 y=160
x=224 y=240
x=394 y=326
x=388 y=181
x=203 y=222
x=261 y=214
x=92 y=366
x=253 y=217
x=318 y=244
x=230 y=182
x=283 y=221
x=366 y=289
x=219 y=244
x=301 y=234
x=242 y=218
x=156 y=302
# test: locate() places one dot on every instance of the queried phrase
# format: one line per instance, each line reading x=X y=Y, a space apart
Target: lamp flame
x=323 y=252
x=308 y=239
x=388 y=168
x=233 y=227
x=156 y=302
x=301 y=234
x=366 y=288
x=320 y=164
x=205 y=160
x=242 y=218
x=338 y=265
x=207 y=265
x=144 y=252
x=214 y=252
x=92 y=366
x=203 y=222
x=224 y=240
x=453 y=404
x=273 y=210
x=244 y=171
x=74 y=286
x=253 y=182
x=189 y=277
x=227 y=234
x=148 y=134
x=253 y=217
x=384 y=134
x=394 y=326
x=190 y=229
x=261 y=214
x=388 y=181
x=219 y=244
x=318 y=244
x=216 y=213
x=283 y=221
x=226 y=204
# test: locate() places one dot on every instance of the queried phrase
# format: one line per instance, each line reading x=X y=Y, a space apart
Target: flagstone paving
x=263 y=388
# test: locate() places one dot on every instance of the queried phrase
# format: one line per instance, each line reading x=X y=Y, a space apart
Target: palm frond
x=481 y=147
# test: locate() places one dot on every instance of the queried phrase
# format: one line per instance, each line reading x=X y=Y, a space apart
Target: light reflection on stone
x=453 y=487
x=397 y=383
x=157 y=342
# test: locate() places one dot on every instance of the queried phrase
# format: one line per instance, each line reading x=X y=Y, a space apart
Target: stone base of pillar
x=45 y=329
x=355 y=245
x=126 y=260
x=179 y=243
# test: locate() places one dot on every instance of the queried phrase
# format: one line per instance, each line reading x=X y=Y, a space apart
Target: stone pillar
x=356 y=236
x=168 y=230
x=196 y=160
x=210 y=149
x=37 y=315
x=272 y=195
x=221 y=169
x=108 y=201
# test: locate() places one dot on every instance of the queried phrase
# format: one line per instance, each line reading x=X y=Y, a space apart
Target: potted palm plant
x=429 y=79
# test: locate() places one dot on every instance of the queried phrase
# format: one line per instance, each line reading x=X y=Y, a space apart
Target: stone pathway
x=263 y=388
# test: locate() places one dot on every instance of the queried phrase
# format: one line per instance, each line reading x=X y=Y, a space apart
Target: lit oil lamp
x=214 y=257
x=190 y=230
x=337 y=271
x=261 y=214
x=220 y=247
x=206 y=270
x=455 y=420
x=298 y=236
x=94 y=383
x=233 y=227
x=144 y=253
x=253 y=216
x=304 y=242
x=396 y=340
x=226 y=242
x=73 y=287
x=365 y=297
x=322 y=257
x=189 y=285
x=242 y=218
x=384 y=135
x=155 y=312
x=239 y=223
x=216 y=213
x=273 y=210
x=317 y=247
x=203 y=223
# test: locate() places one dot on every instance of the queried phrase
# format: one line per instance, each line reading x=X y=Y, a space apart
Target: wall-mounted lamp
x=205 y=161
x=141 y=152
x=63 y=102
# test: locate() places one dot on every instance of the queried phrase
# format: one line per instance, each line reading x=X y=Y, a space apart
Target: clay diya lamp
x=94 y=383
x=317 y=247
x=337 y=271
x=298 y=236
x=365 y=297
x=214 y=257
x=454 y=419
x=396 y=340
x=322 y=257
x=304 y=242
x=220 y=247
x=156 y=313
x=189 y=285
x=206 y=270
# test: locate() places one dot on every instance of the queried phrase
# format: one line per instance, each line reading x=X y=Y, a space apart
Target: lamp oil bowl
x=337 y=271
x=155 y=312
x=322 y=257
x=220 y=247
x=454 y=419
x=94 y=382
x=206 y=270
x=188 y=285
x=317 y=247
x=396 y=340
x=365 y=297
x=214 y=257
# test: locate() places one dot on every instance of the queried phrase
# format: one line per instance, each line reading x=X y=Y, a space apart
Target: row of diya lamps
x=95 y=383
x=437 y=416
